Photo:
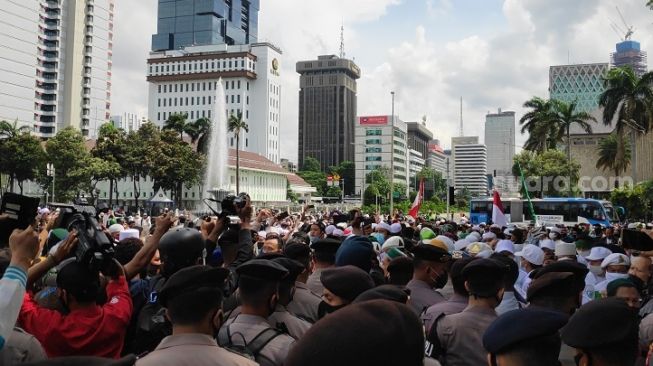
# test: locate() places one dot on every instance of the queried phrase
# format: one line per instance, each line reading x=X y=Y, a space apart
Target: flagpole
x=528 y=196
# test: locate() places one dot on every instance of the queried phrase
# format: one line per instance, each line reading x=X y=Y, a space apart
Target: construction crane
x=629 y=28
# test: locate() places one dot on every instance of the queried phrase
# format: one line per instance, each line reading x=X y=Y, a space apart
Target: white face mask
x=597 y=270
x=583 y=253
x=615 y=276
x=553 y=236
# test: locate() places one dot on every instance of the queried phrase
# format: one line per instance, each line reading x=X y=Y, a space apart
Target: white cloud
x=489 y=71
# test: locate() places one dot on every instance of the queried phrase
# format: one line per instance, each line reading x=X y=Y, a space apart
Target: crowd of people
x=324 y=288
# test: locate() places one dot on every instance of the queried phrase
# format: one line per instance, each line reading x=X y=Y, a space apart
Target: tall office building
x=64 y=50
x=469 y=165
x=629 y=53
x=419 y=137
x=500 y=142
x=184 y=82
x=183 y=23
x=129 y=122
x=437 y=159
x=327 y=110
x=582 y=83
x=376 y=144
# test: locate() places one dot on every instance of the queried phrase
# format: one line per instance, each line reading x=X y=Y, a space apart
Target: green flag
x=528 y=196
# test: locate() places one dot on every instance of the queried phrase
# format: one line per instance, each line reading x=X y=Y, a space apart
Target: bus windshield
x=612 y=213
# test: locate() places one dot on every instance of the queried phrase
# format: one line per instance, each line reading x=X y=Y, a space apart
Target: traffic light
x=452 y=198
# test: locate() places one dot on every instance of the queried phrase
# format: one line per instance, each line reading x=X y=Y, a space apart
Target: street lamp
x=392 y=157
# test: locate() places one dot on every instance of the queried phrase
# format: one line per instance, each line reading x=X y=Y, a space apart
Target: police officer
x=324 y=256
x=457 y=339
x=603 y=332
x=430 y=272
x=193 y=300
x=282 y=319
x=524 y=337
x=304 y=303
x=458 y=301
x=250 y=332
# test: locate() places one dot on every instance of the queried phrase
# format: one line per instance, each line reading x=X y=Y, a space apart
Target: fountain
x=216 y=183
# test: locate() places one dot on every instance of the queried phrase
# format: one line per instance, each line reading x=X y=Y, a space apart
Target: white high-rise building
x=18 y=40
x=128 y=121
x=469 y=165
x=375 y=144
x=55 y=69
x=184 y=81
x=500 y=142
x=437 y=159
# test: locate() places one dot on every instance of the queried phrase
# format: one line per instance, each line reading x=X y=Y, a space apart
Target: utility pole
x=447 y=181
x=392 y=157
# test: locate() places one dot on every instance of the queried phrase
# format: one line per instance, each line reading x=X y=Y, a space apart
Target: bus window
x=481 y=207
x=612 y=213
x=591 y=211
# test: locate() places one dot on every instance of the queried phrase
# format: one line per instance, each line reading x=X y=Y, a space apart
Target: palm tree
x=8 y=130
x=177 y=122
x=198 y=131
x=627 y=100
x=567 y=115
x=540 y=124
x=608 y=148
x=235 y=125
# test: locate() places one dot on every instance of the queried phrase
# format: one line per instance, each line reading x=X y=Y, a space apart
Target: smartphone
x=21 y=211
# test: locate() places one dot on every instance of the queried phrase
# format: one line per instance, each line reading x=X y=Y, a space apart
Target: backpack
x=251 y=350
x=151 y=324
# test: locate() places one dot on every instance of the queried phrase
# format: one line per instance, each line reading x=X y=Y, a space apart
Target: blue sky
x=494 y=53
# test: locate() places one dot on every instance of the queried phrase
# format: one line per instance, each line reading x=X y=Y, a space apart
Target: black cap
x=294 y=268
x=297 y=251
x=193 y=279
x=346 y=282
x=228 y=238
x=385 y=292
x=326 y=246
x=580 y=272
x=376 y=332
x=485 y=277
x=559 y=284
x=262 y=269
x=79 y=281
x=601 y=323
x=431 y=253
x=521 y=325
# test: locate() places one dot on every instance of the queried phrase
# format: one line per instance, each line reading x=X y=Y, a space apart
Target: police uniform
x=327 y=247
x=456 y=304
x=288 y=323
x=423 y=295
x=243 y=329
x=457 y=338
x=21 y=347
x=192 y=348
x=305 y=303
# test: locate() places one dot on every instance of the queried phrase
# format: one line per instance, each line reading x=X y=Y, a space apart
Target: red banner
x=373 y=120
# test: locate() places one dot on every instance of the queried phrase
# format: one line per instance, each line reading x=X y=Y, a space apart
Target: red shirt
x=93 y=331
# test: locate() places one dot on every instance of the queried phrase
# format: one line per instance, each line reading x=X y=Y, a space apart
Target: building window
x=159 y=102
x=165 y=88
x=238 y=98
x=158 y=116
x=238 y=84
x=248 y=85
x=159 y=89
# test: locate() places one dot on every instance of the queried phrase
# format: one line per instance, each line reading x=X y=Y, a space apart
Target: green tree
x=178 y=123
x=628 y=101
x=311 y=165
x=608 y=147
x=439 y=183
x=347 y=172
x=21 y=158
x=67 y=153
x=142 y=155
x=110 y=147
x=637 y=200
x=93 y=171
x=178 y=165
x=566 y=115
x=378 y=185
x=9 y=130
x=462 y=197
x=199 y=132
x=236 y=125
x=540 y=124
x=334 y=191
x=315 y=179
x=547 y=170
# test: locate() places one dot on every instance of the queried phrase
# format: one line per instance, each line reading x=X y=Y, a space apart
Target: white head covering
x=129 y=233
x=615 y=259
x=548 y=244
x=447 y=241
x=461 y=244
x=532 y=254
x=338 y=233
x=329 y=230
x=115 y=228
x=489 y=236
x=598 y=253
x=383 y=225
x=565 y=249
x=395 y=228
x=392 y=242
x=505 y=246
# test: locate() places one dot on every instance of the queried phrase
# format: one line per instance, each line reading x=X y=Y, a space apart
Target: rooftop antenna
x=342 y=40
x=461 y=117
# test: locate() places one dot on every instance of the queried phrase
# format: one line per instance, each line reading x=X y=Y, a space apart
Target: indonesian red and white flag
x=414 y=209
x=498 y=216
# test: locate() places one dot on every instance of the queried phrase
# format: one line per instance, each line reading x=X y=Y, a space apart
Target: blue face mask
x=313 y=238
x=379 y=238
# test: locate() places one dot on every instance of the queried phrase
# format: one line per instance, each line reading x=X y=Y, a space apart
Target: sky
x=494 y=54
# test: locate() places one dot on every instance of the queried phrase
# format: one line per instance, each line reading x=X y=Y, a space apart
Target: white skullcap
x=395 y=228
x=615 y=259
x=548 y=244
x=129 y=233
x=505 y=246
x=115 y=228
x=532 y=253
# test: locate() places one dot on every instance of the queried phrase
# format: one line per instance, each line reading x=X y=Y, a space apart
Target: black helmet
x=180 y=248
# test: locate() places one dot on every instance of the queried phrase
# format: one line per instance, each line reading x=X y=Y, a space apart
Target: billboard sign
x=374 y=120
x=435 y=148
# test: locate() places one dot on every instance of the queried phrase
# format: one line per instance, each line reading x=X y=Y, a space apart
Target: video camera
x=94 y=249
x=231 y=203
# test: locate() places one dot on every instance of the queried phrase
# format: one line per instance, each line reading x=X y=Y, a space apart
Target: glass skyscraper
x=183 y=23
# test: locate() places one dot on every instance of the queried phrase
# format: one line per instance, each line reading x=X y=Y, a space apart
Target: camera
x=231 y=203
x=94 y=249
